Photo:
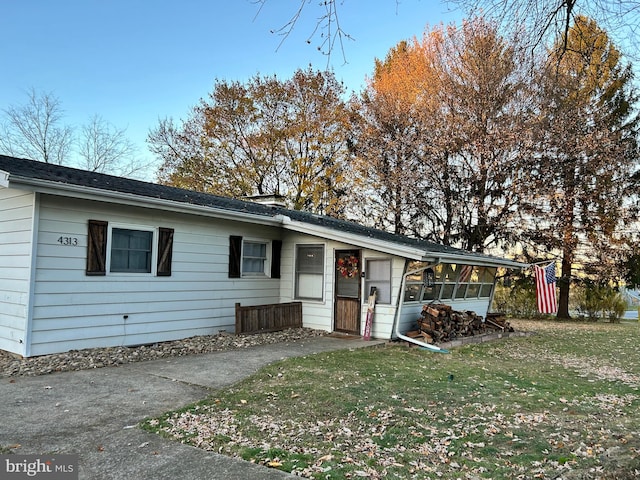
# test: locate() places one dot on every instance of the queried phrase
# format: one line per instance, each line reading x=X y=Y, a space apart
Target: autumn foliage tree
x=444 y=138
x=387 y=142
x=264 y=137
x=586 y=147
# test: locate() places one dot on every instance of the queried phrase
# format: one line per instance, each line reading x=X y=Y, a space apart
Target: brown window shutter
x=97 y=248
x=235 y=256
x=276 y=254
x=165 y=251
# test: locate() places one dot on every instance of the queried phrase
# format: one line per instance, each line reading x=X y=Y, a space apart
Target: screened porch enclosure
x=450 y=282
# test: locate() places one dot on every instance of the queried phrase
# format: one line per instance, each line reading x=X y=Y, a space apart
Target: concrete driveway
x=94 y=413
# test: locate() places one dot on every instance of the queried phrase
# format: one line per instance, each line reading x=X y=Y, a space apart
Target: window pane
x=309 y=286
x=379 y=270
x=412 y=292
x=310 y=259
x=309 y=275
x=254 y=257
x=348 y=286
x=449 y=273
x=473 y=290
x=431 y=293
x=252 y=249
x=485 y=290
x=119 y=238
x=447 y=291
x=139 y=260
x=139 y=240
x=378 y=274
x=488 y=275
x=252 y=265
x=119 y=261
x=416 y=277
x=476 y=274
x=462 y=288
x=131 y=250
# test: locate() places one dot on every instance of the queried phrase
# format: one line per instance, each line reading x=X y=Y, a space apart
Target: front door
x=347 y=291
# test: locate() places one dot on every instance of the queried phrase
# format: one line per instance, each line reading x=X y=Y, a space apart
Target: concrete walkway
x=94 y=413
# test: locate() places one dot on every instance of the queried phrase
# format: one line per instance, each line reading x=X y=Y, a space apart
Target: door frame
x=348 y=304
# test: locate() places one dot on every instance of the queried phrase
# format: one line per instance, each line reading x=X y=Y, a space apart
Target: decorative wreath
x=348 y=266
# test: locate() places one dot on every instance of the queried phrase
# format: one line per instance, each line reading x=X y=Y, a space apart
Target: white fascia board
x=353 y=239
x=481 y=261
x=404 y=251
x=89 y=193
x=4 y=179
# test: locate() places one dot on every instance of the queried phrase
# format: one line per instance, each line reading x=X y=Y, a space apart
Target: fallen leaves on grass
x=507 y=426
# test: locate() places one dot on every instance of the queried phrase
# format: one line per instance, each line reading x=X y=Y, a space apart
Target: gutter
x=396 y=319
x=405 y=251
x=354 y=239
x=278 y=220
x=478 y=260
x=91 y=193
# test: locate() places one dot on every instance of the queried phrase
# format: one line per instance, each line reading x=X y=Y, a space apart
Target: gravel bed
x=13 y=365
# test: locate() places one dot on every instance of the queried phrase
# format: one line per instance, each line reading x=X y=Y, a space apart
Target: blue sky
x=135 y=61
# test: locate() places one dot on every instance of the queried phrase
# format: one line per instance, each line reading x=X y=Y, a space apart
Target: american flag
x=546 y=288
x=465 y=273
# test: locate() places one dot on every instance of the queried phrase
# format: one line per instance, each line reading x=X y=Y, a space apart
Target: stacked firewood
x=440 y=323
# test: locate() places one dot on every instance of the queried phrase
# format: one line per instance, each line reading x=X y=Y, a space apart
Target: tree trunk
x=564 y=282
x=568 y=249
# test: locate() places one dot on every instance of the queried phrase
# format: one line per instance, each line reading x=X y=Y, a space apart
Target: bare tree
x=548 y=20
x=34 y=130
x=104 y=148
x=327 y=28
x=544 y=20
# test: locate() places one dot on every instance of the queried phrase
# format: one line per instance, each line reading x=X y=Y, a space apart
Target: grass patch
x=562 y=403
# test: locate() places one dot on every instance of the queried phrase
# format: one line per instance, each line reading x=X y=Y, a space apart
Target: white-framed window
x=378 y=274
x=128 y=249
x=131 y=249
x=255 y=259
x=309 y=272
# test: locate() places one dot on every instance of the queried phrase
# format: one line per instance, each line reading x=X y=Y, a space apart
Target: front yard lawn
x=563 y=403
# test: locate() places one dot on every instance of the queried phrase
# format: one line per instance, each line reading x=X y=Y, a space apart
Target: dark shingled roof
x=30 y=169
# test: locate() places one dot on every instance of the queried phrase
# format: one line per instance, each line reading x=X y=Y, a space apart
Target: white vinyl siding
x=73 y=310
x=384 y=313
x=319 y=314
x=16 y=227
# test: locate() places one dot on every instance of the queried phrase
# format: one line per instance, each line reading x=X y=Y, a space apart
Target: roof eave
x=480 y=261
x=4 y=179
x=401 y=250
x=353 y=239
x=130 y=199
x=91 y=193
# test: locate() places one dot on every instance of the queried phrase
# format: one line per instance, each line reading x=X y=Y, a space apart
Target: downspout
x=396 y=319
x=35 y=225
